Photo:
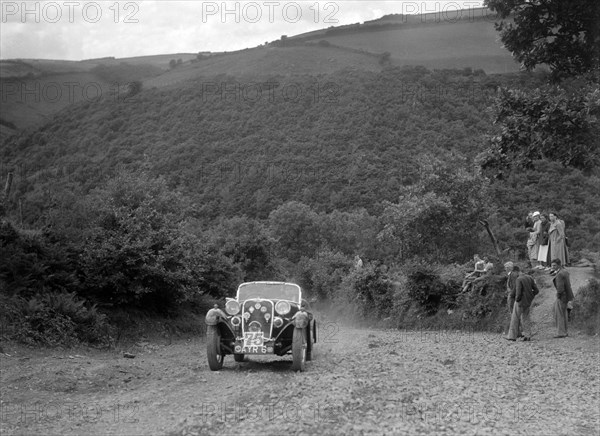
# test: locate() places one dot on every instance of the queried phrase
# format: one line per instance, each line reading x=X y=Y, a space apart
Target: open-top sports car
x=264 y=318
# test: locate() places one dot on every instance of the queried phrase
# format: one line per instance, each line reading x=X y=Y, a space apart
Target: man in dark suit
x=564 y=294
x=525 y=291
x=512 y=273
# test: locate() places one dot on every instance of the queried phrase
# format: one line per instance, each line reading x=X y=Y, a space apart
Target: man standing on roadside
x=512 y=273
x=525 y=291
x=511 y=280
x=564 y=294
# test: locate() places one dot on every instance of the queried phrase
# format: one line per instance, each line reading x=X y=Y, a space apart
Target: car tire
x=299 y=349
x=238 y=357
x=213 y=348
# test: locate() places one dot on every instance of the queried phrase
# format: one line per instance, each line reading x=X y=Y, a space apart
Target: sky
x=76 y=30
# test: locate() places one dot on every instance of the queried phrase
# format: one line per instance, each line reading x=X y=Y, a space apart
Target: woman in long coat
x=543 y=238
x=557 y=247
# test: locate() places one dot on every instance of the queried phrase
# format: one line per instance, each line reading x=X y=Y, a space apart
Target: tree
x=384 y=58
x=247 y=244
x=558 y=122
x=563 y=34
x=295 y=226
x=138 y=252
x=437 y=217
x=134 y=88
x=551 y=123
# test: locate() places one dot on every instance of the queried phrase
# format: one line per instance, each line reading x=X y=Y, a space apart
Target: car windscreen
x=269 y=291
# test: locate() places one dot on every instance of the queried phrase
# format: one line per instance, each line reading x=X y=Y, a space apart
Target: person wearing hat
x=533 y=243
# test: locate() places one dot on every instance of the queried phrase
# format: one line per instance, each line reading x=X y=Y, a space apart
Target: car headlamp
x=283 y=307
x=232 y=307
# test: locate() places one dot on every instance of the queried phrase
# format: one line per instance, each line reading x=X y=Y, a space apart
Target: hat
x=509 y=265
x=536 y=213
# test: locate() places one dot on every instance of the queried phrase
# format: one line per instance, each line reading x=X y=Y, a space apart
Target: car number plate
x=253 y=339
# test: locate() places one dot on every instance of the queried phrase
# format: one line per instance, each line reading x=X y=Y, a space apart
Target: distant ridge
x=453 y=39
x=404 y=21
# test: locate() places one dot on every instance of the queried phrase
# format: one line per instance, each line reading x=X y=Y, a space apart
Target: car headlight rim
x=232 y=307
x=283 y=307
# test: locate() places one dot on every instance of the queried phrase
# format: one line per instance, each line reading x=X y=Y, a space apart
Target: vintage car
x=264 y=318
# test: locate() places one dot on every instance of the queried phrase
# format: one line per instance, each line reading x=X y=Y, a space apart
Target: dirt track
x=361 y=381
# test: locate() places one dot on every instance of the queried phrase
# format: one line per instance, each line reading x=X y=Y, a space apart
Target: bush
x=370 y=289
x=138 y=253
x=425 y=287
x=429 y=296
x=53 y=319
x=592 y=256
x=485 y=305
x=34 y=262
x=323 y=275
x=586 y=307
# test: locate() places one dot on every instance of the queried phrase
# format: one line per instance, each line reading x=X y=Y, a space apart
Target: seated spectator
x=480 y=269
x=488 y=266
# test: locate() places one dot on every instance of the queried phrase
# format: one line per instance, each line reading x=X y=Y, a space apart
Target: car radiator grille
x=257 y=315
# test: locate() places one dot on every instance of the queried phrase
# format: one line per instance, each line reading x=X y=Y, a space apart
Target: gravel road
x=361 y=381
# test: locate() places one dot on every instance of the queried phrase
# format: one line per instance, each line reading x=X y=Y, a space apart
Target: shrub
x=138 y=252
x=322 y=276
x=485 y=305
x=371 y=289
x=592 y=256
x=53 y=319
x=425 y=287
x=34 y=262
x=586 y=307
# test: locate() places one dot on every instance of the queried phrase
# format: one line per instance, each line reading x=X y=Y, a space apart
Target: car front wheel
x=213 y=348
x=309 y=346
x=299 y=349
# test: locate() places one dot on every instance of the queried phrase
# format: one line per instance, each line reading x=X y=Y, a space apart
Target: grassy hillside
x=338 y=141
x=447 y=39
x=33 y=90
x=443 y=45
x=271 y=60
